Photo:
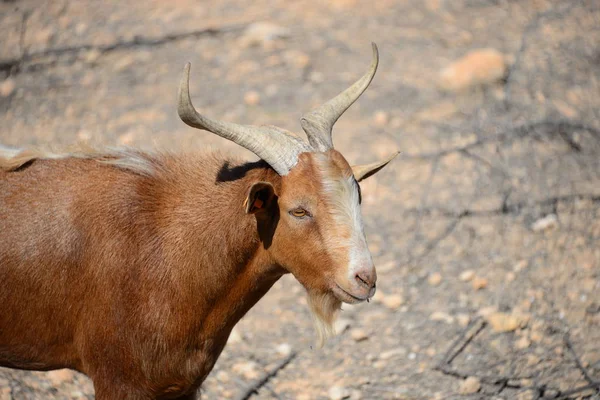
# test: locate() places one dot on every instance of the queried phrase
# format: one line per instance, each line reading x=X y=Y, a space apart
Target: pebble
x=442 y=316
x=536 y=336
x=549 y=222
x=386 y=355
x=479 y=283
x=59 y=376
x=510 y=277
x=381 y=118
x=7 y=87
x=527 y=394
x=470 y=385
x=252 y=98
x=92 y=56
x=434 y=279
x=523 y=343
x=393 y=301
x=502 y=322
x=520 y=265
x=478 y=67
x=262 y=33
x=358 y=335
x=463 y=319
x=467 y=275
x=485 y=311
x=341 y=324
x=532 y=360
x=338 y=393
x=223 y=376
x=297 y=58
x=284 y=349
x=248 y=370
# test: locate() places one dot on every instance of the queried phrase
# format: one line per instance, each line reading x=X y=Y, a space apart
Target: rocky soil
x=485 y=230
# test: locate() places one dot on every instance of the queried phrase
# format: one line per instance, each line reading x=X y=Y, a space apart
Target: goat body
x=129 y=278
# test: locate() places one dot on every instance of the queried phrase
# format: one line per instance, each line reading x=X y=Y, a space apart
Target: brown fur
x=133 y=269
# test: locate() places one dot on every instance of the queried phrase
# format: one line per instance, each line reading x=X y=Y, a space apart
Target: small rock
x=442 y=316
x=478 y=67
x=261 y=33
x=523 y=343
x=44 y=35
x=532 y=360
x=527 y=394
x=252 y=98
x=502 y=322
x=463 y=319
x=247 y=369
x=297 y=58
x=549 y=222
x=536 y=336
x=7 y=87
x=470 y=385
x=59 y=376
x=284 y=349
x=341 y=324
x=386 y=267
x=92 y=56
x=338 y=393
x=358 y=335
x=381 y=118
x=223 y=376
x=485 y=311
x=434 y=279
x=520 y=265
x=479 y=283
x=5 y=393
x=393 y=301
x=467 y=275
x=510 y=277
x=386 y=355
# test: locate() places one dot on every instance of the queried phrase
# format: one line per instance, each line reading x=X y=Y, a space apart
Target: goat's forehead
x=317 y=173
x=328 y=165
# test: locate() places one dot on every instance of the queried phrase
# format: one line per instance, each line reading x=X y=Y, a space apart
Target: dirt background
x=485 y=230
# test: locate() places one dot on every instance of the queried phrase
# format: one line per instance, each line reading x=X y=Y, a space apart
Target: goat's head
x=319 y=235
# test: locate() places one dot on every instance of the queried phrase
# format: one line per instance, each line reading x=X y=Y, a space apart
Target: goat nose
x=366 y=278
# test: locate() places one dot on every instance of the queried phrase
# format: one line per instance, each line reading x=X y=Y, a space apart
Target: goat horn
x=276 y=146
x=318 y=123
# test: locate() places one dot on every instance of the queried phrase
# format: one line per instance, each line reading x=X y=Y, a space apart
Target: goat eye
x=299 y=212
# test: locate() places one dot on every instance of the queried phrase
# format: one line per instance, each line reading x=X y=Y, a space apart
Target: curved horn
x=276 y=146
x=318 y=123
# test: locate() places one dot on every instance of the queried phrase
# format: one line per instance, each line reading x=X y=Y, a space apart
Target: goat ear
x=259 y=198
x=364 y=171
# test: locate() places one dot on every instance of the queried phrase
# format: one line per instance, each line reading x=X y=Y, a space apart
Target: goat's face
x=318 y=234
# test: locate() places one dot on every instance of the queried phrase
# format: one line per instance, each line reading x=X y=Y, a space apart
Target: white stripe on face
x=341 y=191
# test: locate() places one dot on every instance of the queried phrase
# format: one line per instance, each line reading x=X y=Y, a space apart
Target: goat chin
x=324 y=309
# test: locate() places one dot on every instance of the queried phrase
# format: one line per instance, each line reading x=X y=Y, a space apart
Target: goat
x=133 y=268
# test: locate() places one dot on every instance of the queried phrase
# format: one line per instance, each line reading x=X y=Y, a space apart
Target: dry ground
x=451 y=224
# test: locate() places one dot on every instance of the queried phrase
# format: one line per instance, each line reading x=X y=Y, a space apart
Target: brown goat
x=133 y=268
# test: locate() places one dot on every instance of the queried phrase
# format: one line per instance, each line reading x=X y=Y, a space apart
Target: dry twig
x=259 y=383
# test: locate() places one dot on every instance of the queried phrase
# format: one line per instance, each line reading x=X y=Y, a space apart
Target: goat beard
x=324 y=309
